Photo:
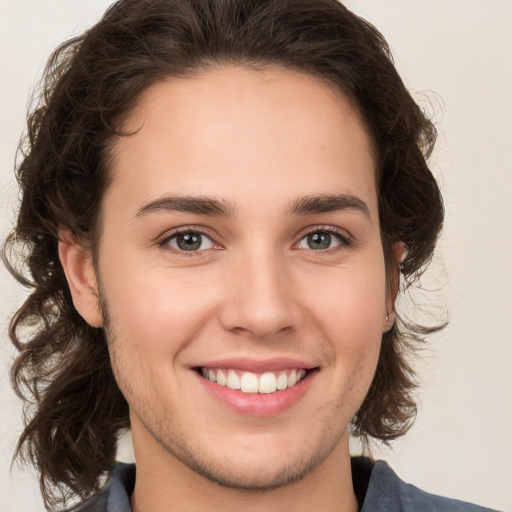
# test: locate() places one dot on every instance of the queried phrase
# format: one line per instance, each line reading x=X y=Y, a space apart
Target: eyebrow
x=325 y=203
x=200 y=205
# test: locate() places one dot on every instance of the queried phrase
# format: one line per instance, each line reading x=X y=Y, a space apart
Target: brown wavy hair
x=74 y=410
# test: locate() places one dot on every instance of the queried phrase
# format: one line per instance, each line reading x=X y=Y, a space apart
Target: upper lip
x=258 y=365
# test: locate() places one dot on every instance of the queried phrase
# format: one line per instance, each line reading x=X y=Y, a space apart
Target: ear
x=398 y=253
x=81 y=276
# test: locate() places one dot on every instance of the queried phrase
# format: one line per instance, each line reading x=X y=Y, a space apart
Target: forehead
x=227 y=131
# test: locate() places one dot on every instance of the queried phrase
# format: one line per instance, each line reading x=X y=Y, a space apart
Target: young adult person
x=221 y=199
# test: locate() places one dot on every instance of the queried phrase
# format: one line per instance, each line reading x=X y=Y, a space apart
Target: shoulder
x=387 y=492
x=115 y=496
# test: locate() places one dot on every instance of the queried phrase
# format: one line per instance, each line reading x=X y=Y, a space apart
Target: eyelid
x=345 y=238
x=163 y=239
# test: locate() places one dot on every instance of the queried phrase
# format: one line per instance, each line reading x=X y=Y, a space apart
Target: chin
x=254 y=477
x=270 y=466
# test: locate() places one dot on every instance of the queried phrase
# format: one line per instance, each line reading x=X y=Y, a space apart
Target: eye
x=189 y=241
x=321 y=240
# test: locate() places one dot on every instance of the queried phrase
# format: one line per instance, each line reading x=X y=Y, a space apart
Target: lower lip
x=259 y=404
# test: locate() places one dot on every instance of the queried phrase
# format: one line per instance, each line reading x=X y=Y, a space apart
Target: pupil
x=319 y=241
x=189 y=242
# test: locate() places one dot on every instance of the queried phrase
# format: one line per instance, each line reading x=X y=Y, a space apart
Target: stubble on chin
x=267 y=475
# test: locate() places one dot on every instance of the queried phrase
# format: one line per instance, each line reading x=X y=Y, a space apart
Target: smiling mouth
x=255 y=383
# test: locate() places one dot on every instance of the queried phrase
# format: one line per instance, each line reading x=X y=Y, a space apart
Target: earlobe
x=389 y=321
x=81 y=277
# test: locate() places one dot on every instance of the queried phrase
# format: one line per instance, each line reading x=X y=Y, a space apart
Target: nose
x=261 y=301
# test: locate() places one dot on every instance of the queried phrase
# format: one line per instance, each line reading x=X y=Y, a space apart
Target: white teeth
x=282 y=381
x=222 y=378
x=268 y=383
x=233 y=380
x=249 y=382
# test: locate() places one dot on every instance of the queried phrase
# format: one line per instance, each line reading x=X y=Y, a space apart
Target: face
x=241 y=249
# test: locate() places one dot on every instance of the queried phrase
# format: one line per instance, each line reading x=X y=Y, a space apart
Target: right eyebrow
x=326 y=203
x=190 y=204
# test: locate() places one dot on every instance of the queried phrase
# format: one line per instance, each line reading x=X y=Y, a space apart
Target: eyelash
x=163 y=242
x=344 y=239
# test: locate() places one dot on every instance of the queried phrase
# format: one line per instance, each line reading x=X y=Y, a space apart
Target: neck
x=165 y=483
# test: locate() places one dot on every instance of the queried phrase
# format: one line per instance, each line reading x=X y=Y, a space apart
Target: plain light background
x=455 y=55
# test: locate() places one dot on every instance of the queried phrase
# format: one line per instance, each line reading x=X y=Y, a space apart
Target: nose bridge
x=260 y=302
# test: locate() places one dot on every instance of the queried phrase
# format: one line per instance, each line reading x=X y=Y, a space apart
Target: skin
x=257 y=141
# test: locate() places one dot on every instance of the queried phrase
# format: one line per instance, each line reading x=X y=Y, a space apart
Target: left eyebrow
x=325 y=203
x=200 y=205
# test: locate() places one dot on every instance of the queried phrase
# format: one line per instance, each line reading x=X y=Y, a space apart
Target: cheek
x=353 y=298
x=349 y=313
x=156 y=308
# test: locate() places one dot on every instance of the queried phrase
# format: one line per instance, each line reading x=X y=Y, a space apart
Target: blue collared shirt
x=383 y=492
